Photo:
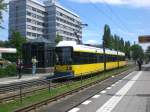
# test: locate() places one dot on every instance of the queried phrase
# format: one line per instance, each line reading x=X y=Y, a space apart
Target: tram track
x=49 y=100
x=11 y=92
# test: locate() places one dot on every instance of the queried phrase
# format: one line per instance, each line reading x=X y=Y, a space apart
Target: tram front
x=63 y=67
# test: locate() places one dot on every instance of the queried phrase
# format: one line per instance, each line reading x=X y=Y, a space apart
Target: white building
x=49 y=19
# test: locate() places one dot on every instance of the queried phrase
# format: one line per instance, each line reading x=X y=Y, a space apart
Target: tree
x=111 y=44
x=5 y=44
x=107 y=37
x=17 y=41
x=127 y=49
x=2 y=44
x=137 y=52
x=58 y=39
x=122 y=45
x=116 y=42
x=3 y=7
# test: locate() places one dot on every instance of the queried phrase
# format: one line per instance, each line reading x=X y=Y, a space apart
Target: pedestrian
x=34 y=62
x=140 y=62
x=19 y=67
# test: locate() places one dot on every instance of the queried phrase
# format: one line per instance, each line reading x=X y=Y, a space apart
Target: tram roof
x=85 y=48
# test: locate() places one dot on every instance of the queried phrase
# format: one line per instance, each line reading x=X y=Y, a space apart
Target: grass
x=45 y=94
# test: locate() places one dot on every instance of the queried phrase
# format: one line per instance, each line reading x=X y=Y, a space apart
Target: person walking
x=34 y=62
x=140 y=62
x=19 y=67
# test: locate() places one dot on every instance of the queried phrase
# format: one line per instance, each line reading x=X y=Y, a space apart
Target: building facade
x=49 y=19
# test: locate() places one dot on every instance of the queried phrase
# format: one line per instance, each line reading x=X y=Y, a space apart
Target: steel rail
x=49 y=100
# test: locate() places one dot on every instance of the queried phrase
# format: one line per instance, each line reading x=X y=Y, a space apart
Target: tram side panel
x=85 y=69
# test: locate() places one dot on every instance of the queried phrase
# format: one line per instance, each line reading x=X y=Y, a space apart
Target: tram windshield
x=64 y=55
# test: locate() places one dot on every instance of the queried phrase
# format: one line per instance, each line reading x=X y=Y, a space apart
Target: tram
x=74 y=60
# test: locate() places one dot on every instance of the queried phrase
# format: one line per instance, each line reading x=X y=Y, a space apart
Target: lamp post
x=76 y=34
x=104 y=56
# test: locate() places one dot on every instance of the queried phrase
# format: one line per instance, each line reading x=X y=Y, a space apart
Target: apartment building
x=34 y=19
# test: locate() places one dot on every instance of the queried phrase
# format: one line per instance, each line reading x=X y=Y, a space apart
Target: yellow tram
x=74 y=60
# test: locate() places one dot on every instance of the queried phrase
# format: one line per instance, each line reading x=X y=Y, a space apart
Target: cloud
x=135 y=3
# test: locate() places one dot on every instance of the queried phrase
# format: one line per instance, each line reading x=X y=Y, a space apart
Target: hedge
x=9 y=70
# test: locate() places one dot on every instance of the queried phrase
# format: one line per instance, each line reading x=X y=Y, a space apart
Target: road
x=131 y=94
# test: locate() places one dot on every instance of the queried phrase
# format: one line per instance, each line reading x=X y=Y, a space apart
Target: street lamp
x=104 y=56
x=81 y=24
x=76 y=34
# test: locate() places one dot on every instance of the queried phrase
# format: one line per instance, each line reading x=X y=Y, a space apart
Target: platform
x=25 y=77
x=127 y=94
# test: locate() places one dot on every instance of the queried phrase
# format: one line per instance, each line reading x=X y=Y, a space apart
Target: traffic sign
x=144 y=39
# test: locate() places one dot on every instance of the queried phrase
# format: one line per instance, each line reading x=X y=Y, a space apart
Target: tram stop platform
x=24 y=78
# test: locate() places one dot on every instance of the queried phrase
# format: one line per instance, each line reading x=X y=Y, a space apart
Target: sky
x=126 y=18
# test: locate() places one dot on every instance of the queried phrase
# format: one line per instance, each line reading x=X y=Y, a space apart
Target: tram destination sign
x=144 y=39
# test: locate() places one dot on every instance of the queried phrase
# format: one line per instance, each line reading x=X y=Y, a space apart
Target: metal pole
x=49 y=87
x=68 y=83
x=104 y=56
x=117 y=57
x=20 y=87
x=81 y=79
x=91 y=76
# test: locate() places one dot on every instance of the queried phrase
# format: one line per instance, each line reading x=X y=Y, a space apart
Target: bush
x=9 y=70
x=2 y=72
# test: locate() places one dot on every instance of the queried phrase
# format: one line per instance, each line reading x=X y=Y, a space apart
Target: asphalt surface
x=130 y=94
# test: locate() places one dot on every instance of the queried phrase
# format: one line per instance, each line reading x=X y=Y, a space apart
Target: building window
x=34 y=15
x=29 y=27
x=28 y=13
x=29 y=7
x=28 y=33
x=33 y=9
x=34 y=34
x=28 y=20
x=33 y=28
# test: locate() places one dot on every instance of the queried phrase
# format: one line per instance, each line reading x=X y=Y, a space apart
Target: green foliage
x=3 y=7
x=10 y=56
x=9 y=70
x=115 y=42
x=107 y=37
x=137 y=52
x=58 y=39
x=2 y=72
x=127 y=49
x=5 y=44
x=17 y=41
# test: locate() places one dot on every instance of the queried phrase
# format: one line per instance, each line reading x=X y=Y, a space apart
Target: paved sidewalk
x=26 y=77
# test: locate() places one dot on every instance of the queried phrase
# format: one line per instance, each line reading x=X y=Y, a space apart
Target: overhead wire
x=84 y=16
x=107 y=16
x=115 y=15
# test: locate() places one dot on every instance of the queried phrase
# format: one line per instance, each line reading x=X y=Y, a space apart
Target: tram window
x=101 y=58
x=114 y=58
x=64 y=55
x=87 y=58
